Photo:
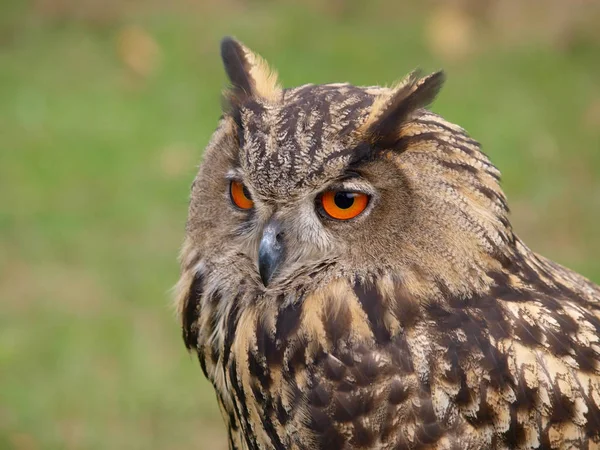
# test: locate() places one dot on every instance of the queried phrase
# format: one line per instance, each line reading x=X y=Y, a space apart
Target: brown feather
x=423 y=323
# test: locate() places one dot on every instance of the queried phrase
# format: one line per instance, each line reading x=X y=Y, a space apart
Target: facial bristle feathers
x=249 y=74
x=393 y=109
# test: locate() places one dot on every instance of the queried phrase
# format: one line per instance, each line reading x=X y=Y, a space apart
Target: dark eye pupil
x=246 y=192
x=344 y=200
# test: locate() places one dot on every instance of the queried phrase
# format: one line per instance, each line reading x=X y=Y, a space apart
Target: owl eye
x=240 y=196
x=343 y=205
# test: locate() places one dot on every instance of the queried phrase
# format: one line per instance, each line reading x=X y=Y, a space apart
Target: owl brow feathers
x=391 y=111
x=254 y=83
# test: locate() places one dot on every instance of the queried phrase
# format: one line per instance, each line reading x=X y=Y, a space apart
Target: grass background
x=105 y=108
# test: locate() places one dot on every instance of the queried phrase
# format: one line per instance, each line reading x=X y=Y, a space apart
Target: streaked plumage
x=423 y=323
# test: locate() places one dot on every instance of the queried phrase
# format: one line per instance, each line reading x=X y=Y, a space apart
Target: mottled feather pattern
x=486 y=367
x=456 y=337
x=298 y=129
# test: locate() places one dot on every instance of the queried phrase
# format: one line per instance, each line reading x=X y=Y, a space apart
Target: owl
x=350 y=280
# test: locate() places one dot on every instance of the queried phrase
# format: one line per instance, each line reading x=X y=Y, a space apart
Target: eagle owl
x=350 y=280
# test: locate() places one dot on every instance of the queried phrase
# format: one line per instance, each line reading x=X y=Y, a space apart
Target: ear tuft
x=393 y=109
x=249 y=74
x=236 y=65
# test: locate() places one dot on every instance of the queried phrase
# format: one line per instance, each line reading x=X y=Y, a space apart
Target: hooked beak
x=271 y=251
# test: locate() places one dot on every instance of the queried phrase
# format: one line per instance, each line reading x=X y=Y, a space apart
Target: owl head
x=303 y=184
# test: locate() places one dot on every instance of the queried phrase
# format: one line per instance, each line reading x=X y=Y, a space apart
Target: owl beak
x=271 y=251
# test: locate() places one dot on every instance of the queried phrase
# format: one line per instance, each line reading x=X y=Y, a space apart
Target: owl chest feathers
x=374 y=364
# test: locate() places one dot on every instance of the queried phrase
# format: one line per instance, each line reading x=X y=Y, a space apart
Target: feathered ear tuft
x=393 y=109
x=249 y=74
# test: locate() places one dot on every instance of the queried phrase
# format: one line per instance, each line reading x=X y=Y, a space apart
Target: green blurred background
x=105 y=107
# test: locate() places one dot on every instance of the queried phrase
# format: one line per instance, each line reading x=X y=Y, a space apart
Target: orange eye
x=240 y=195
x=344 y=205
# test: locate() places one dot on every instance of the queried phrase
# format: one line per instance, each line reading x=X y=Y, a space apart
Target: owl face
x=292 y=185
x=298 y=184
x=289 y=202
